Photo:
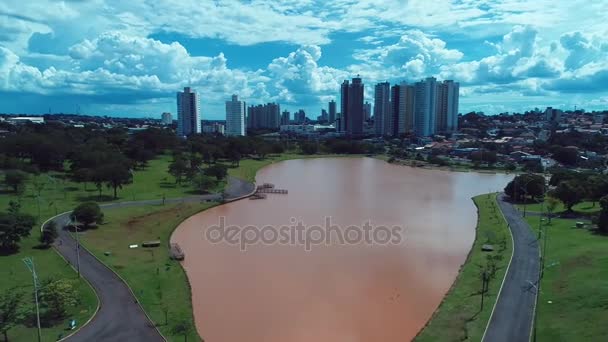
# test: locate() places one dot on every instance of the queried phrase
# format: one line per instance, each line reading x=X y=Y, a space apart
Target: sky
x=129 y=58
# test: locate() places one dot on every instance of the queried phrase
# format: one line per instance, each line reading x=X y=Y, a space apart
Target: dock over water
x=267 y=188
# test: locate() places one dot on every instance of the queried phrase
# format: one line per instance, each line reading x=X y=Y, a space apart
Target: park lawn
x=575 y=281
x=15 y=275
x=60 y=195
x=156 y=280
x=583 y=207
x=459 y=317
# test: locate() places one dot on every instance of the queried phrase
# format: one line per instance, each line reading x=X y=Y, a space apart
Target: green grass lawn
x=573 y=300
x=583 y=207
x=156 y=280
x=459 y=317
x=60 y=195
x=15 y=275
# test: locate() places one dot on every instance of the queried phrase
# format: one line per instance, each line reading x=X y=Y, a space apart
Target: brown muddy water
x=336 y=292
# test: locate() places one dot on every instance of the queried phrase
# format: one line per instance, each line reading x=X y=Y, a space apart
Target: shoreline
x=458 y=295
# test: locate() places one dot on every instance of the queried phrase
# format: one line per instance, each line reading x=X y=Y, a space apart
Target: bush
x=87 y=214
x=49 y=233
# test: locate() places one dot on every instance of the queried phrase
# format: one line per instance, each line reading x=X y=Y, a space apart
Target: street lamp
x=29 y=262
x=74 y=222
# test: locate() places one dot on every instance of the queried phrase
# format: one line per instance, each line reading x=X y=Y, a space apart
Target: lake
x=257 y=286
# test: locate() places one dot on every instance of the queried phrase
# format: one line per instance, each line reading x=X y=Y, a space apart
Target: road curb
x=130 y=290
x=506 y=271
x=85 y=279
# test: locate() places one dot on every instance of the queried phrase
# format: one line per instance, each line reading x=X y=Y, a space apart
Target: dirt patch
x=568 y=266
x=138 y=221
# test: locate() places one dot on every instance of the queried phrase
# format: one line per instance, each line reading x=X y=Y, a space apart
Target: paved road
x=120 y=318
x=514 y=311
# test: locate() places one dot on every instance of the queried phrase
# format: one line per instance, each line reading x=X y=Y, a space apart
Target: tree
x=178 y=168
x=183 y=327
x=115 y=176
x=194 y=160
x=13 y=227
x=602 y=224
x=561 y=175
x=49 y=233
x=218 y=171
x=10 y=313
x=526 y=186
x=56 y=296
x=566 y=155
x=309 y=148
x=510 y=167
x=203 y=183
x=484 y=156
x=597 y=187
x=15 y=179
x=87 y=213
x=82 y=175
x=570 y=193
x=552 y=204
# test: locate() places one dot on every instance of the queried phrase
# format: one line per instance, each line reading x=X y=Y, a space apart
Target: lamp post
x=29 y=262
x=74 y=222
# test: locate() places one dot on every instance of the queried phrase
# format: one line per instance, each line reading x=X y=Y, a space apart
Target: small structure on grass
x=176 y=252
x=154 y=243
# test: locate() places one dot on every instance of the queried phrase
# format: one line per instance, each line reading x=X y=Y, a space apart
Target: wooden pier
x=266 y=188
x=271 y=191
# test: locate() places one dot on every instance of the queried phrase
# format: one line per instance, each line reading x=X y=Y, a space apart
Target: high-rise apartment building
x=354 y=110
x=425 y=107
x=367 y=111
x=300 y=117
x=406 y=108
x=553 y=115
x=285 y=118
x=332 y=111
x=188 y=118
x=166 y=118
x=343 y=118
x=392 y=120
x=447 y=106
x=235 y=117
x=264 y=116
x=382 y=104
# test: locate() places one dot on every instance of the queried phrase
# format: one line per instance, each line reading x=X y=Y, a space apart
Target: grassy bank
x=58 y=195
x=573 y=300
x=460 y=317
x=15 y=276
x=158 y=282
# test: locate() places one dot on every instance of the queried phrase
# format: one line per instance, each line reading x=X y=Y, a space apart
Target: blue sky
x=128 y=58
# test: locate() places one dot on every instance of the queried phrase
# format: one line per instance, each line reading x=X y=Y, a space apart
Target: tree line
x=566 y=186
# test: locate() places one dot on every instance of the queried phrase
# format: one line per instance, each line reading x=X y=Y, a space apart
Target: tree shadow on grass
x=95 y=198
x=167 y=185
x=41 y=246
x=9 y=251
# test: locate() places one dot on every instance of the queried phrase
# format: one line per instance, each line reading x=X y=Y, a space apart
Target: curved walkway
x=513 y=313
x=119 y=316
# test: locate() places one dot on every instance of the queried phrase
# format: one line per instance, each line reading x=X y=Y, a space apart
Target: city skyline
x=130 y=59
